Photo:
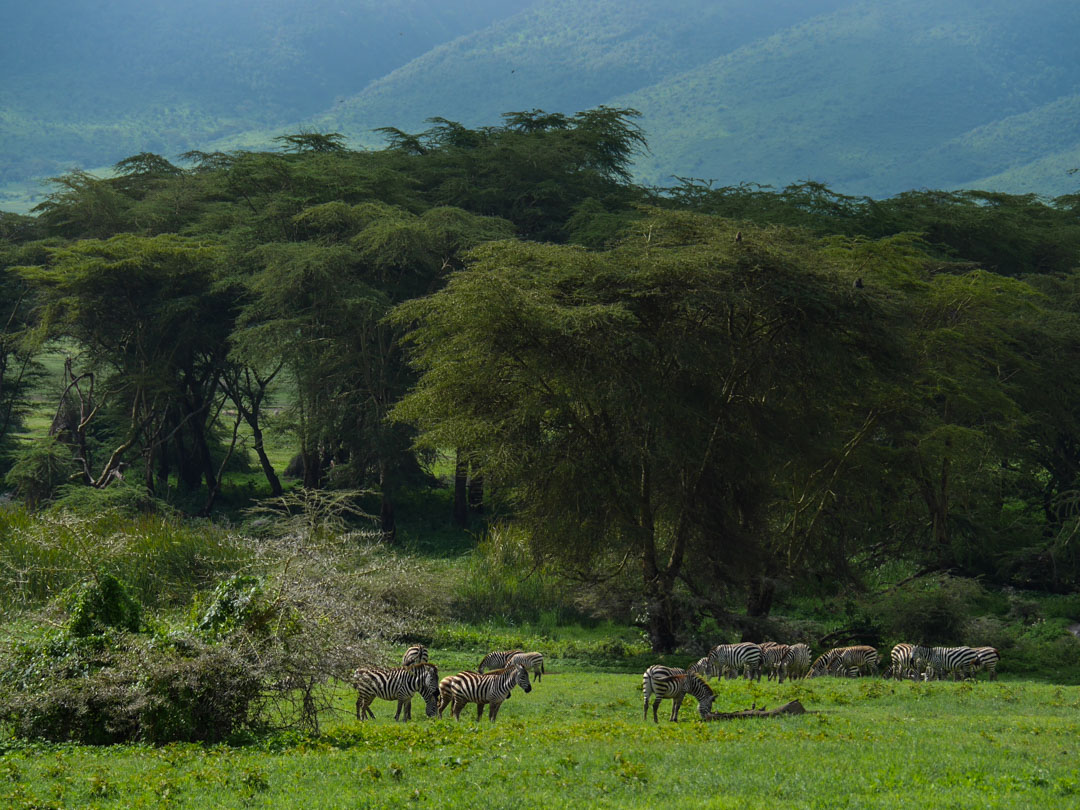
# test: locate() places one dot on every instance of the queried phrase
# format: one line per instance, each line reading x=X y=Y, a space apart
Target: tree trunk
x=476 y=490
x=662 y=623
x=312 y=463
x=461 y=479
x=386 y=511
x=267 y=467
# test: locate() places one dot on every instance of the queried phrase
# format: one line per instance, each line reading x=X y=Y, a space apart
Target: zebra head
x=521 y=678
x=429 y=687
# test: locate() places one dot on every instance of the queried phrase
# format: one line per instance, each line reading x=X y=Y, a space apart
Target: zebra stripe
x=396 y=684
x=988 y=659
x=491 y=688
x=532 y=661
x=901 y=666
x=668 y=682
x=937 y=662
x=497 y=659
x=797 y=661
x=699 y=668
x=416 y=654
x=730 y=658
x=847 y=661
x=772 y=659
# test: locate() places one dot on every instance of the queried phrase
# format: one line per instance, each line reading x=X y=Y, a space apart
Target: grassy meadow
x=579 y=737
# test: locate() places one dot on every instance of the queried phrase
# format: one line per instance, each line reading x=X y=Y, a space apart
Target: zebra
x=902 y=665
x=988 y=659
x=532 y=661
x=396 y=684
x=416 y=654
x=849 y=661
x=668 y=682
x=699 y=668
x=797 y=661
x=733 y=657
x=497 y=659
x=936 y=662
x=772 y=659
x=491 y=688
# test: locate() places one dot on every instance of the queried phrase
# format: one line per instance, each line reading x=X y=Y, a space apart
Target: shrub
x=929 y=611
x=101 y=603
x=122 y=688
x=237 y=603
x=39 y=469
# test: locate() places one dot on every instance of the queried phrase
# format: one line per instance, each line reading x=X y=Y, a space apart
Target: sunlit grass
x=579 y=738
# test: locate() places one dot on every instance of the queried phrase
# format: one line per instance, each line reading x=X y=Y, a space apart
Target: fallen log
x=794 y=707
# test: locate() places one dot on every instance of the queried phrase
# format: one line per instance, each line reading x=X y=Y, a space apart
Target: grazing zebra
x=532 y=661
x=988 y=659
x=849 y=661
x=936 y=662
x=496 y=659
x=667 y=682
x=746 y=656
x=772 y=659
x=416 y=654
x=902 y=665
x=797 y=661
x=491 y=688
x=396 y=684
x=699 y=668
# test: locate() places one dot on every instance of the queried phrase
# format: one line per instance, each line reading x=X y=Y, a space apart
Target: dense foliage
x=732 y=392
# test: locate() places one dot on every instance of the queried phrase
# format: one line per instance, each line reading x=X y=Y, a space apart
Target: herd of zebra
x=507 y=669
x=510 y=668
x=912 y=661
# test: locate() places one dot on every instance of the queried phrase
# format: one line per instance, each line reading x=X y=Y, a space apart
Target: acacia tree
x=153 y=326
x=627 y=402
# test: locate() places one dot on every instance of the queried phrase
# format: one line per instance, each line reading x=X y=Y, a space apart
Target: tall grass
x=162 y=559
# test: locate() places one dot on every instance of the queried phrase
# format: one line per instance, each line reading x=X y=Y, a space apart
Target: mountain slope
x=562 y=55
x=90 y=83
x=875 y=98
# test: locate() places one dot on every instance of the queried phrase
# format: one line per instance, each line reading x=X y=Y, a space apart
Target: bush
x=39 y=470
x=102 y=603
x=237 y=603
x=927 y=611
x=503 y=581
x=118 y=688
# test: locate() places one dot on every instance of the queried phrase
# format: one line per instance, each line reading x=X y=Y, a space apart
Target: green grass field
x=579 y=738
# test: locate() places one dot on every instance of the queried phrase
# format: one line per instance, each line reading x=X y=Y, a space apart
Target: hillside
x=562 y=55
x=869 y=97
x=878 y=98
x=88 y=84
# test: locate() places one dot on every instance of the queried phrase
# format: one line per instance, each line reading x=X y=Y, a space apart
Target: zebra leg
x=655 y=706
x=493 y=710
x=676 y=704
x=458 y=706
x=479 y=711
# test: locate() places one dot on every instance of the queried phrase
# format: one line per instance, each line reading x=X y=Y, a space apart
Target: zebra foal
x=416 y=654
x=668 y=682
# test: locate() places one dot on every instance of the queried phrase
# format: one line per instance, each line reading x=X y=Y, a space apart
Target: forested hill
x=868 y=97
x=86 y=84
